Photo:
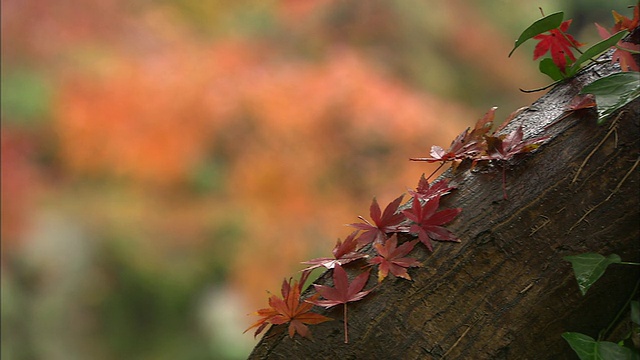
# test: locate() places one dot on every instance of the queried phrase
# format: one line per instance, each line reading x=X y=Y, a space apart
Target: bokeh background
x=166 y=163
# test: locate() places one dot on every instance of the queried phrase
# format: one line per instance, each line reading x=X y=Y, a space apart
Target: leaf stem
x=629 y=263
x=504 y=181
x=602 y=334
x=570 y=42
x=542 y=88
x=436 y=170
x=346 y=336
x=627 y=50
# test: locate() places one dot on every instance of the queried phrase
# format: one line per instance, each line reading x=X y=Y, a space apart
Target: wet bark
x=505 y=292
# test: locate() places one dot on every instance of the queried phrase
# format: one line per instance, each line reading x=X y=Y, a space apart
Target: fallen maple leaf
x=386 y=222
x=428 y=223
x=578 y=103
x=505 y=147
x=344 y=252
x=289 y=309
x=391 y=258
x=342 y=292
x=466 y=145
x=426 y=191
x=559 y=44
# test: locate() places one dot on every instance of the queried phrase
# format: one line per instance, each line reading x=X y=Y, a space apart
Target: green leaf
x=588 y=349
x=612 y=351
x=583 y=345
x=596 y=49
x=549 y=68
x=589 y=267
x=614 y=92
x=613 y=84
x=26 y=96
x=542 y=25
x=635 y=311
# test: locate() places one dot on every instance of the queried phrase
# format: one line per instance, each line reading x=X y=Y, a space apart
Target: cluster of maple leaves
x=421 y=217
x=562 y=45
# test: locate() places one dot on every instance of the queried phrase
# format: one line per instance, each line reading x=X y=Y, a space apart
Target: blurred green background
x=165 y=163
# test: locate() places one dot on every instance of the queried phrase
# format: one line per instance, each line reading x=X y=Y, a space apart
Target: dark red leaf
x=289 y=309
x=505 y=147
x=344 y=252
x=426 y=191
x=466 y=145
x=391 y=258
x=384 y=223
x=342 y=292
x=428 y=223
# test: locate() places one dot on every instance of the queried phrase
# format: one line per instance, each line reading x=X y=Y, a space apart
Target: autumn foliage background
x=165 y=163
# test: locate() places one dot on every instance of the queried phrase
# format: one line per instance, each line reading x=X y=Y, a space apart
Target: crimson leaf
x=344 y=252
x=467 y=144
x=391 y=258
x=426 y=191
x=342 y=292
x=559 y=44
x=386 y=222
x=289 y=309
x=428 y=223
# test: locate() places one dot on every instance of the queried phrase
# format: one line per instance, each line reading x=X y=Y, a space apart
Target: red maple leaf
x=342 y=292
x=467 y=144
x=559 y=43
x=624 y=23
x=428 y=223
x=391 y=258
x=426 y=191
x=344 y=252
x=386 y=222
x=289 y=309
x=505 y=147
x=622 y=54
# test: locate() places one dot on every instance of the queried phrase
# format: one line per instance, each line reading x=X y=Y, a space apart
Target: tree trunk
x=505 y=291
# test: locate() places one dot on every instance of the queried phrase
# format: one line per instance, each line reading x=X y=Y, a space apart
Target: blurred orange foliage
x=296 y=136
x=298 y=132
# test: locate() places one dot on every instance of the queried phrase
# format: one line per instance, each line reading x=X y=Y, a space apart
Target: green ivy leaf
x=542 y=25
x=596 y=49
x=614 y=92
x=549 y=68
x=588 y=349
x=589 y=267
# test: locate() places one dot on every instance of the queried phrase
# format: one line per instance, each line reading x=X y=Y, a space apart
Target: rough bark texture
x=505 y=292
